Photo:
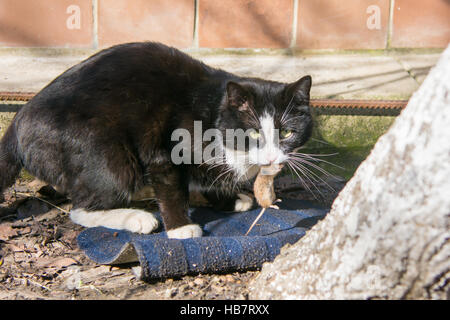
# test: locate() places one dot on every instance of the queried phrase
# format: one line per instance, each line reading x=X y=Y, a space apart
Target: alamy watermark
x=374 y=20
x=73 y=22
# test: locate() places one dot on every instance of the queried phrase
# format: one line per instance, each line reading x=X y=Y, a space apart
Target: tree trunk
x=387 y=234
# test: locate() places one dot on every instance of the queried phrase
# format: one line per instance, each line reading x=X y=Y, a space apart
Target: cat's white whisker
x=319 y=140
x=286 y=111
x=312 y=157
x=290 y=119
x=312 y=174
x=308 y=175
x=306 y=162
x=254 y=113
x=228 y=170
x=293 y=170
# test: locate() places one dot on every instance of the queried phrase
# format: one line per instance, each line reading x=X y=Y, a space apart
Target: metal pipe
x=315 y=103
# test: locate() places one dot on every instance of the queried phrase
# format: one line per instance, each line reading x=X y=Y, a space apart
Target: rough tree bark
x=387 y=234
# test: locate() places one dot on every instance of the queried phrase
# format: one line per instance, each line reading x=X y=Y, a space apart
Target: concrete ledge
x=341 y=76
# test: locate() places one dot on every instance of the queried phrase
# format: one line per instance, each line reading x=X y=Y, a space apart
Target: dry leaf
x=57 y=263
x=7 y=231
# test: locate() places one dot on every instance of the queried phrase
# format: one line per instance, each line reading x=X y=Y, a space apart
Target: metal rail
x=359 y=104
x=16 y=96
x=316 y=103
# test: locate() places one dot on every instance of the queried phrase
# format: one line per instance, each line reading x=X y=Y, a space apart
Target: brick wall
x=303 y=24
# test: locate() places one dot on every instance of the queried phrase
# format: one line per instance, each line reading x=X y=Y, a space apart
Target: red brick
x=337 y=24
x=43 y=23
x=245 y=23
x=170 y=22
x=419 y=23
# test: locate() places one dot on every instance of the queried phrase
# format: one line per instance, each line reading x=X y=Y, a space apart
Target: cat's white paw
x=139 y=221
x=133 y=220
x=244 y=202
x=185 y=232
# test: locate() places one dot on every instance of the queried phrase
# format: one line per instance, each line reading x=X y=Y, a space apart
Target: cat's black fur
x=102 y=129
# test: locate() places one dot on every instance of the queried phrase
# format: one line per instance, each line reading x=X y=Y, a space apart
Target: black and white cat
x=101 y=132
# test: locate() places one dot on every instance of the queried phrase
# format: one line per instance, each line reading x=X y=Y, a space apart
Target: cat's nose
x=271 y=158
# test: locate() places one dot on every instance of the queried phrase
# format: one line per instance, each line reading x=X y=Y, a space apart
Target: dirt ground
x=40 y=258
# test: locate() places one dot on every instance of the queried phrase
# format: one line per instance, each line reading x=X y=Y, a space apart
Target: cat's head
x=275 y=118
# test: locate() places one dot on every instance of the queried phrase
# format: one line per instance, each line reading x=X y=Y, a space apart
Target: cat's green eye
x=254 y=135
x=285 y=134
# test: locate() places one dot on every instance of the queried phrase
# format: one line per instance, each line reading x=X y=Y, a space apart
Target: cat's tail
x=10 y=163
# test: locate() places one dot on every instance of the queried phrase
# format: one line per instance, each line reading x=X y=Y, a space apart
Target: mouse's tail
x=10 y=163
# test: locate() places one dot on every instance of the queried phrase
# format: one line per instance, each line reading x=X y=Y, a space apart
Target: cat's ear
x=238 y=97
x=299 y=90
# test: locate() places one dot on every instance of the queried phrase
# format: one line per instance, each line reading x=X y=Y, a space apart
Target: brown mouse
x=264 y=190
